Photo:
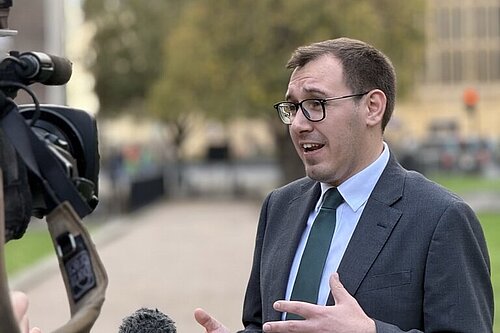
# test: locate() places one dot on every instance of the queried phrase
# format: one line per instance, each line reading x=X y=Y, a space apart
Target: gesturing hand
x=210 y=324
x=346 y=316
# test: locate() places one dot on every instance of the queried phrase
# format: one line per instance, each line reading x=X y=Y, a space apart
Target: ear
x=376 y=102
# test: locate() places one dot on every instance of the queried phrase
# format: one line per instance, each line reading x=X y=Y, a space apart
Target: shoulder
x=300 y=189
x=420 y=186
x=397 y=182
x=412 y=192
x=424 y=197
x=294 y=189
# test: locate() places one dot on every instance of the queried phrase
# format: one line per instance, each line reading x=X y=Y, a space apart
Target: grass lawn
x=467 y=183
x=33 y=246
x=491 y=227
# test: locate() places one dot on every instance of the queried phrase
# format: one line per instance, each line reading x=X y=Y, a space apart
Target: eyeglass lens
x=312 y=109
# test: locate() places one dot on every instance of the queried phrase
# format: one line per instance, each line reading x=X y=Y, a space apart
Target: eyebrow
x=313 y=91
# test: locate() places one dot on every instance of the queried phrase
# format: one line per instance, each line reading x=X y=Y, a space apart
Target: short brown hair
x=365 y=68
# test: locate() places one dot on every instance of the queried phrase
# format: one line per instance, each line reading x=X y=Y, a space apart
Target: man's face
x=332 y=150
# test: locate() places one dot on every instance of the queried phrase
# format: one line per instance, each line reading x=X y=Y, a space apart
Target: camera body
x=71 y=136
x=49 y=155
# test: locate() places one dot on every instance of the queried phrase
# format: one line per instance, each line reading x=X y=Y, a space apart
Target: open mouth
x=309 y=147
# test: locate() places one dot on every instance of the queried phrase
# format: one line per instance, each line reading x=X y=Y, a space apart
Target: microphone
x=147 y=320
x=44 y=68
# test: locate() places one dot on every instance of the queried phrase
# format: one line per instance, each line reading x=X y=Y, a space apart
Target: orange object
x=470 y=97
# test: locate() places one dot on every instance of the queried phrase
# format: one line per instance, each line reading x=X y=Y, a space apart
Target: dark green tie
x=308 y=278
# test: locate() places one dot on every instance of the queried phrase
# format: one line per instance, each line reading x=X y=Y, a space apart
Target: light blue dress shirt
x=355 y=191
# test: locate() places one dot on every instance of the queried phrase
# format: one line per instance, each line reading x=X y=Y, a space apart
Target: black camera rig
x=57 y=144
x=49 y=167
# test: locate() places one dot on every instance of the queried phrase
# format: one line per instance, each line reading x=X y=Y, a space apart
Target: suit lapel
x=374 y=227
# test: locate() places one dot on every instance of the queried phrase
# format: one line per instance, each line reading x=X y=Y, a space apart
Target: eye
x=316 y=103
x=288 y=108
x=313 y=104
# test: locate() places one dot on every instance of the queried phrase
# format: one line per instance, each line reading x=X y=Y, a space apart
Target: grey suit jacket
x=417 y=260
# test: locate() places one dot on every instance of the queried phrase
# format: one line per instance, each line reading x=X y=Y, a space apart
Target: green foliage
x=125 y=49
x=226 y=58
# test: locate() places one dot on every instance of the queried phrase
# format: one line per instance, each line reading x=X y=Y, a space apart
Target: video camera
x=49 y=163
x=63 y=154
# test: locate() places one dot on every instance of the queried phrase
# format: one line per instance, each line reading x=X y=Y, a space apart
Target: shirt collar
x=357 y=189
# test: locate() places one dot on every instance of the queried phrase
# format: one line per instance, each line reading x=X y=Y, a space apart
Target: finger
x=205 y=320
x=302 y=309
x=284 y=326
x=35 y=330
x=339 y=293
x=273 y=326
x=19 y=304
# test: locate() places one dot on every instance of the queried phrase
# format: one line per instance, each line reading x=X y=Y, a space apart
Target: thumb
x=204 y=319
x=339 y=293
x=19 y=304
x=20 y=307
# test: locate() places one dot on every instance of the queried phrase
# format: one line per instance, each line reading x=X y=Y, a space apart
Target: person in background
x=403 y=254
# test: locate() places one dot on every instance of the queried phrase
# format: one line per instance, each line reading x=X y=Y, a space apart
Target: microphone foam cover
x=147 y=320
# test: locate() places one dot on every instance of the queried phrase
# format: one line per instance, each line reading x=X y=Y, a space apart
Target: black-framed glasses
x=312 y=108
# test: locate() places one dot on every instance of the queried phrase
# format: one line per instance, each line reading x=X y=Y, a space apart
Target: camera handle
x=83 y=273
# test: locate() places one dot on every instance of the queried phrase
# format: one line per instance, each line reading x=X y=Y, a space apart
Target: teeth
x=310 y=145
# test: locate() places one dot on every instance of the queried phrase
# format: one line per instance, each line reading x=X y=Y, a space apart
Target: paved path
x=174 y=256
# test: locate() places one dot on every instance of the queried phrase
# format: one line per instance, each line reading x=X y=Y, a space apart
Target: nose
x=300 y=123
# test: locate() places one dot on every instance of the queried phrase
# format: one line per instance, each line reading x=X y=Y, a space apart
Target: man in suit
x=411 y=255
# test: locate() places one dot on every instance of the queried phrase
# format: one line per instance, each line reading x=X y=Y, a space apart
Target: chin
x=320 y=175
x=315 y=173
